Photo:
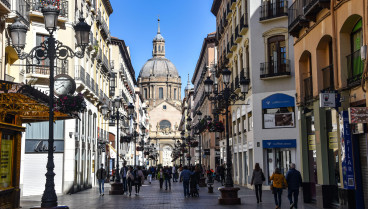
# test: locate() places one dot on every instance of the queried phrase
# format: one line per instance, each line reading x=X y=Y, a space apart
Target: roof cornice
x=124 y=50
x=108 y=6
x=215 y=6
x=209 y=39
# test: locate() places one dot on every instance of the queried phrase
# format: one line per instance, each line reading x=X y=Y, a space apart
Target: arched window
x=161 y=93
x=165 y=124
x=277 y=54
x=355 y=63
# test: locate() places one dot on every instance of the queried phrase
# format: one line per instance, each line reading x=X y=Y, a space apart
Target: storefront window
x=6 y=162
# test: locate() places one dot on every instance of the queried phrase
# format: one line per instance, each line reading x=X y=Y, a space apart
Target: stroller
x=193 y=191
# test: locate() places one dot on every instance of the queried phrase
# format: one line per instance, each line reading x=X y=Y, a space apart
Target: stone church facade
x=160 y=85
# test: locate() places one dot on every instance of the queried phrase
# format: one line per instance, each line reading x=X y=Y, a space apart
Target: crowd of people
x=190 y=177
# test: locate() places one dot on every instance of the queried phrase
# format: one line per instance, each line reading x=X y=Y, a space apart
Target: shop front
x=18 y=104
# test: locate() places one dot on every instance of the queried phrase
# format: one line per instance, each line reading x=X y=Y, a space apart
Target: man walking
x=185 y=177
x=294 y=181
x=167 y=177
x=101 y=176
x=123 y=173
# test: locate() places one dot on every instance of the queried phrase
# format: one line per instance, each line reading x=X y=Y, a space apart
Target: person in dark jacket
x=167 y=176
x=257 y=180
x=185 y=177
x=294 y=181
x=101 y=176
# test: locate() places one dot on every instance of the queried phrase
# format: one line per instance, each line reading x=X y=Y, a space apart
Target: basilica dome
x=158 y=67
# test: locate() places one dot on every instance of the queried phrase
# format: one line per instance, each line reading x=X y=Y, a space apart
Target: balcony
x=275 y=69
x=355 y=68
x=36 y=8
x=237 y=84
x=312 y=7
x=104 y=29
x=42 y=69
x=308 y=89
x=233 y=44
x=328 y=78
x=273 y=10
x=98 y=18
x=228 y=11
x=233 y=4
x=99 y=56
x=19 y=8
x=229 y=53
x=4 y=7
x=88 y=80
x=244 y=24
x=80 y=74
x=238 y=37
x=296 y=18
x=105 y=64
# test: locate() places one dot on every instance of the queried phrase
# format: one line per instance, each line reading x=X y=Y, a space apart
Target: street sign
x=328 y=99
x=358 y=115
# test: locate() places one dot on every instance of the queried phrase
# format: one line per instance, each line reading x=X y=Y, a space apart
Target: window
x=164 y=107
x=161 y=93
x=355 y=63
x=277 y=54
x=145 y=93
x=250 y=121
x=165 y=124
x=44 y=64
x=174 y=93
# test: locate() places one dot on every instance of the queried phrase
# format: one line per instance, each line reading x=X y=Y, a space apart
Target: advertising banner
x=358 y=115
x=346 y=151
x=6 y=163
x=279 y=120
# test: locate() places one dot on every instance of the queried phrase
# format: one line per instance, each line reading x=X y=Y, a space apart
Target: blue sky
x=184 y=25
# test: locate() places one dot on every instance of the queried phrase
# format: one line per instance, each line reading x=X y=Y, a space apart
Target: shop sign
x=328 y=99
x=346 y=151
x=42 y=146
x=207 y=152
x=358 y=115
x=312 y=142
x=332 y=140
x=6 y=156
x=284 y=143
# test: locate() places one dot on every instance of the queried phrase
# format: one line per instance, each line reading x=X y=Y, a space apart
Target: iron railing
x=6 y=3
x=105 y=63
x=21 y=8
x=88 y=80
x=355 y=68
x=328 y=78
x=295 y=12
x=62 y=5
x=244 y=21
x=80 y=73
x=43 y=68
x=272 y=10
x=275 y=68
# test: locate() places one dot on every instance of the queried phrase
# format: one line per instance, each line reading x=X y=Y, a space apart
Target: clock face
x=64 y=85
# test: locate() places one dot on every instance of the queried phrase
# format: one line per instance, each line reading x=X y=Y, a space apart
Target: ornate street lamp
x=222 y=100
x=134 y=133
x=49 y=49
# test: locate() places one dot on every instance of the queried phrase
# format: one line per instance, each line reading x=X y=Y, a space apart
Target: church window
x=165 y=124
x=164 y=107
x=145 y=93
x=174 y=93
x=161 y=93
x=159 y=48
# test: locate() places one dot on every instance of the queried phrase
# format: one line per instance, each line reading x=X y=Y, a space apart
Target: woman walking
x=257 y=179
x=160 y=176
x=278 y=183
x=138 y=179
x=130 y=179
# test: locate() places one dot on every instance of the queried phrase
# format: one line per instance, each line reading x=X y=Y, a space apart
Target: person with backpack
x=138 y=179
x=257 y=179
x=278 y=183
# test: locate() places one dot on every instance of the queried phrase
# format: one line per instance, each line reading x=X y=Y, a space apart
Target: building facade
x=330 y=39
x=253 y=42
x=160 y=85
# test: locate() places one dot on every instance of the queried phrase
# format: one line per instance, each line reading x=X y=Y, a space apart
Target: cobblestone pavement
x=151 y=196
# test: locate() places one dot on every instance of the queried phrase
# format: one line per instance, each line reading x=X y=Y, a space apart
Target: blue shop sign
x=282 y=143
x=278 y=100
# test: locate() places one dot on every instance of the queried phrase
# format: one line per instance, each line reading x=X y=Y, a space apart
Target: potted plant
x=216 y=126
x=70 y=104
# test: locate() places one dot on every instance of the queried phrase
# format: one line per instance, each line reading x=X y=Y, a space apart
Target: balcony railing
x=9 y=78
x=237 y=84
x=238 y=37
x=99 y=56
x=243 y=24
x=104 y=29
x=43 y=68
x=21 y=9
x=273 y=10
x=296 y=18
x=275 y=68
x=88 y=80
x=328 y=78
x=62 y=5
x=97 y=90
x=105 y=63
x=308 y=89
x=6 y=3
x=355 y=68
x=80 y=73
x=312 y=7
x=93 y=85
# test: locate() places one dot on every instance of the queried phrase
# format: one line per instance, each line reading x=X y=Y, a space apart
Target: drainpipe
x=334 y=42
x=365 y=42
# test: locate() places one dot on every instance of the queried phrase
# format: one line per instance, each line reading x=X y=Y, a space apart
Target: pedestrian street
x=151 y=197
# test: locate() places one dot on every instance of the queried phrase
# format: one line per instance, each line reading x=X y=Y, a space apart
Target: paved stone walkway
x=152 y=197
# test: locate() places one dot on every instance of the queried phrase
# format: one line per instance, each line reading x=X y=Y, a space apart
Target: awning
x=12 y=54
x=26 y=102
x=278 y=100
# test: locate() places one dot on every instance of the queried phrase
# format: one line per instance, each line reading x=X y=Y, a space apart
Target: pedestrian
x=257 y=179
x=222 y=174
x=101 y=176
x=278 y=183
x=149 y=176
x=123 y=173
x=130 y=180
x=294 y=181
x=174 y=174
x=185 y=177
x=138 y=179
x=167 y=177
x=180 y=169
x=160 y=176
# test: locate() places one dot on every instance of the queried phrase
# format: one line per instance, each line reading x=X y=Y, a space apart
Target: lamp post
x=50 y=49
x=189 y=121
x=116 y=187
x=224 y=99
x=199 y=113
